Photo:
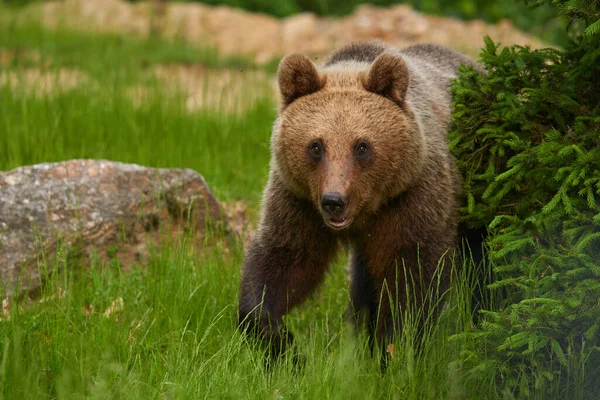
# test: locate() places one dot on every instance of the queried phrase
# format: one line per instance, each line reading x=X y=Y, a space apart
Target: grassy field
x=171 y=327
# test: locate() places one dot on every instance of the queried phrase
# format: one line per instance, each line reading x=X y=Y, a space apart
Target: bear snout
x=333 y=204
x=334 y=208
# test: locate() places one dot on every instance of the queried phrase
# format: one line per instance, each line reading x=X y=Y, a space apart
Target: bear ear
x=388 y=77
x=298 y=76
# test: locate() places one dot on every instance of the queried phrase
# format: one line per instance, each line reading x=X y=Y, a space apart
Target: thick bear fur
x=368 y=127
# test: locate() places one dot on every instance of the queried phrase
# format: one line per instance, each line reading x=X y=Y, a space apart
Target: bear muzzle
x=333 y=208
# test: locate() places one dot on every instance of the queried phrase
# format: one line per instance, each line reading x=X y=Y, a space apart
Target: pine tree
x=527 y=138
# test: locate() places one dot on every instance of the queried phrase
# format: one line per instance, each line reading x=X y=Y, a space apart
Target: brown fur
x=400 y=196
x=364 y=52
x=388 y=77
x=298 y=77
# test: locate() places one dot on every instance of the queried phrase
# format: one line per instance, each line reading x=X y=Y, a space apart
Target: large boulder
x=94 y=206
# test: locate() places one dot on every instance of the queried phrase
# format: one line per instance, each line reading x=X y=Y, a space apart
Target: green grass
x=98 y=119
x=105 y=55
x=176 y=335
x=231 y=151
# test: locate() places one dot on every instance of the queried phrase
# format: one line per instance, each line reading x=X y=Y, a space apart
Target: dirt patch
x=99 y=15
x=227 y=90
x=234 y=31
x=43 y=82
x=230 y=90
x=11 y=57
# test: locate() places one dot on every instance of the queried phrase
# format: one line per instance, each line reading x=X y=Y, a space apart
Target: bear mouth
x=338 y=223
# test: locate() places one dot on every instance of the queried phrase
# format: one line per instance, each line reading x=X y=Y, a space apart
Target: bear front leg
x=409 y=289
x=399 y=278
x=274 y=281
x=386 y=317
x=285 y=262
x=363 y=306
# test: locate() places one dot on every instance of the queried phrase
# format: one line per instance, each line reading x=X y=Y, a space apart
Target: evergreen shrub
x=527 y=137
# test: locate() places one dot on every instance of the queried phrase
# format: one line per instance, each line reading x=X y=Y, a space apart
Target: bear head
x=346 y=137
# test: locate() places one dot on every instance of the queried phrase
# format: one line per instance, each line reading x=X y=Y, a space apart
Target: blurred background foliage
x=541 y=21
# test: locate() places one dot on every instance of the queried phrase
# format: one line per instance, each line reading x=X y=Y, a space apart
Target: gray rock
x=100 y=207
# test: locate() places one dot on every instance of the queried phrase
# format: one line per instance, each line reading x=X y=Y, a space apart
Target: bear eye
x=315 y=149
x=361 y=149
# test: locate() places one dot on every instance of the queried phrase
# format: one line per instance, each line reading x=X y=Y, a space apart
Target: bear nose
x=333 y=204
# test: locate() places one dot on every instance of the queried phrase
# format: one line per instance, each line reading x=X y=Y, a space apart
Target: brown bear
x=359 y=158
